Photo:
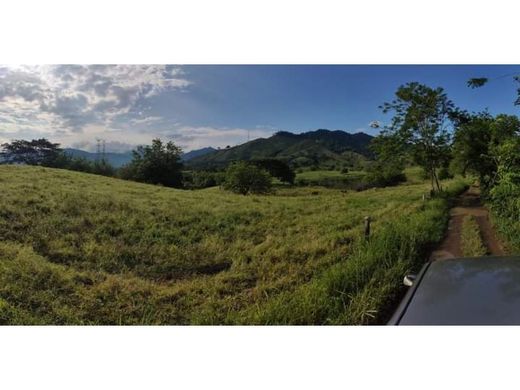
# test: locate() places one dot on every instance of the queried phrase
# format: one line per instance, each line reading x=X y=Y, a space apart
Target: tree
x=422 y=116
x=470 y=148
x=276 y=168
x=34 y=152
x=157 y=163
x=478 y=82
x=243 y=178
x=388 y=169
x=477 y=145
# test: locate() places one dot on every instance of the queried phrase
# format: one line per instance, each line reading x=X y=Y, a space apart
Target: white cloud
x=75 y=104
x=198 y=137
x=70 y=97
x=146 y=120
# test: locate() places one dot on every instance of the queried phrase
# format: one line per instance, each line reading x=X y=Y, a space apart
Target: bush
x=243 y=178
x=202 y=179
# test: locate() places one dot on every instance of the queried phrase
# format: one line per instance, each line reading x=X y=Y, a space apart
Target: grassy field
x=83 y=249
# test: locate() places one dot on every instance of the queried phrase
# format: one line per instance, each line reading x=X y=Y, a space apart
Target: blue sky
x=205 y=105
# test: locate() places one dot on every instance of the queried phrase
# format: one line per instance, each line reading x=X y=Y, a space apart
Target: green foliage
x=157 y=163
x=505 y=194
x=470 y=239
x=203 y=179
x=383 y=175
x=481 y=81
x=245 y=178
x=34 y=152
x=478 y=142
x=277 y=169
x=517 y=101
x=444 y=173
x=47 y=154
x=420 y=124
x=388 y=169
x=477 y=82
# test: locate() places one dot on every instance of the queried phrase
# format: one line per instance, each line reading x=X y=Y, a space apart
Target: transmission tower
x=100 y=149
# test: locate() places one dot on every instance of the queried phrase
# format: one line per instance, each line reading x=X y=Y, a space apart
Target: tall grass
x=83 y=249
x=363 y=288
x=504 y=200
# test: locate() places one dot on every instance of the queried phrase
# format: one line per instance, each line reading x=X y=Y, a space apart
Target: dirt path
x=467 y=204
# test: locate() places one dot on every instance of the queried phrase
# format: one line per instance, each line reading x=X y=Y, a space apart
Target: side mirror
x=409 y=280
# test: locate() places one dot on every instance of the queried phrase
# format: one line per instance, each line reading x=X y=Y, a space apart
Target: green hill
x=320 y=148
x=77 y=248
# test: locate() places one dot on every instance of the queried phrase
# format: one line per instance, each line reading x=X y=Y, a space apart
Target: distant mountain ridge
x=117 y=160
x=321 y=147
x=197 y=153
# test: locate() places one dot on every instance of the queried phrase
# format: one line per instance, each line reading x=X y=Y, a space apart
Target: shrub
x=202 y=179
x=243 y=178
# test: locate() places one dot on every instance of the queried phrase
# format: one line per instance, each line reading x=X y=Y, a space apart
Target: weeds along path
x=468 y=204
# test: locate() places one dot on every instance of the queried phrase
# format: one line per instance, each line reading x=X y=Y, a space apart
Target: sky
x=218 y=105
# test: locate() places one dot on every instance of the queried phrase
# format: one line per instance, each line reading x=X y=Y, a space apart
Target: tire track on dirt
x=469 y=203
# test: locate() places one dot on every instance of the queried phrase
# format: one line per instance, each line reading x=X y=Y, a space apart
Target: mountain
x=115 y=159
x=320 y=148
x=119 y=159
x=197 y=153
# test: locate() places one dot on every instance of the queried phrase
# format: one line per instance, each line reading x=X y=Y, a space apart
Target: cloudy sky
x=198 y=106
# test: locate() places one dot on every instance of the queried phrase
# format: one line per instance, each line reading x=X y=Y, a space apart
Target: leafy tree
x=476 y=146
x=277 y=168
x=422 y=116
x=388 y=168
x=244 y=178
x=158 y=163
x=35 y=152
x=471 y=146
x=478 y=82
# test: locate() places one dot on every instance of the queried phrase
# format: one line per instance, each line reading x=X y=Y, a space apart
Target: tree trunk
x=431 y=176
x=436 y=180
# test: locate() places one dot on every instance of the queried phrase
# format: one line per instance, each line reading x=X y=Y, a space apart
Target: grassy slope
x=78 y=248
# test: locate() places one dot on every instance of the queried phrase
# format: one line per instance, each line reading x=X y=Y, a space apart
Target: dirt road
x=467 y=204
